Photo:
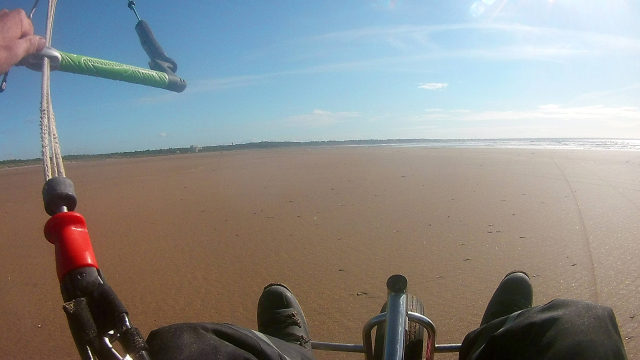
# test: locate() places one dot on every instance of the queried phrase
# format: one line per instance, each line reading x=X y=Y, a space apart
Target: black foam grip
x=106 y=308
x=84 y=331
x=151 y=45
x=80 y=320
x=132 y=341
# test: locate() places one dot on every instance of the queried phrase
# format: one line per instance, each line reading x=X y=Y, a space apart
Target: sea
x=579 y=144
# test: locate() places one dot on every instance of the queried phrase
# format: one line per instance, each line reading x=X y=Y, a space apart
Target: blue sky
x=335 y=70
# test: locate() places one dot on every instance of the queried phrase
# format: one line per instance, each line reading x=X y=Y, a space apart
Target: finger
x=25 y=23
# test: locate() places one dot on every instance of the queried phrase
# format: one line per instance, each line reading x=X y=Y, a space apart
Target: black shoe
x=514 y=293
x=280 y=316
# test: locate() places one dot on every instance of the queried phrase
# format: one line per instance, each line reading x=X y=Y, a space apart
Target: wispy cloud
x=433 y=86
x=158 y=99
x=318 y=118
x=607 y=93
x=230 y=82
x=387 y=4
x=416 y=44
x=376 y=64
x=162 y=134
x=220 y=84
x=598 y=113
x=214 y=85
x=514 y=33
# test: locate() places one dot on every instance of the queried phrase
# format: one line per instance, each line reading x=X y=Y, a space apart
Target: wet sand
x=195 y=237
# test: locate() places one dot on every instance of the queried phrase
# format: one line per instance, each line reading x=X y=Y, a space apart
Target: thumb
x=29 y=45
x=24 y=47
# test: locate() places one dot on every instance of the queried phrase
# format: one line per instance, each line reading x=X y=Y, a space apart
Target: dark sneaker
x=514 y=293
x=280 y=316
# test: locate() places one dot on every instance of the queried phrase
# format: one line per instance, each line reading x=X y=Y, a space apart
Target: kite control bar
x=95 y=315
x=163 y=68
x=84 y=65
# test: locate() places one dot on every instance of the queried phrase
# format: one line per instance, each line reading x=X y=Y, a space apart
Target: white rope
x=44 y=124
x=51 y=154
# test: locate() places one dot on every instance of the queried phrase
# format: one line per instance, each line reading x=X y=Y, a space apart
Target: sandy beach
x=195 y=237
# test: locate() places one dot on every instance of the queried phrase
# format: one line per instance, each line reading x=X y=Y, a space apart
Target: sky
x=336 y=70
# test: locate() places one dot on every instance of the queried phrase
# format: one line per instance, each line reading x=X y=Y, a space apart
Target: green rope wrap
x=83 y=65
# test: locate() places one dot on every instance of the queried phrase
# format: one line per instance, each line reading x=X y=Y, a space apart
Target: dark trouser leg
x=212 y=341
x=561 y=329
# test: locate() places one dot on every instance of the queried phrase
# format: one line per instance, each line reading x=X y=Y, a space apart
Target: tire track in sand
x=616 y=251
x=587 y=240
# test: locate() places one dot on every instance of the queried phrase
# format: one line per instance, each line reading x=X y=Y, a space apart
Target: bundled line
x=51 y=153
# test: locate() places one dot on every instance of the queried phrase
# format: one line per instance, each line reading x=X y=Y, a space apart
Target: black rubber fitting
x=59 y=192
x=397 y=284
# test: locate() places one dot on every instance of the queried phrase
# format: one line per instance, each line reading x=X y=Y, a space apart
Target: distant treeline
x=216 y=148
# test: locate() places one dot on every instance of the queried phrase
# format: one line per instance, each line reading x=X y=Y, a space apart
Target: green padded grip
x=83 y=65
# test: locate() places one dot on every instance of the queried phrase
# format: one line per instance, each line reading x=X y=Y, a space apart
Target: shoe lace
x=279 y=322
x=303 y=341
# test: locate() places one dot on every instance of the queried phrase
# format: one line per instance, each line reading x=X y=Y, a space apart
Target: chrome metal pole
x=396 y=317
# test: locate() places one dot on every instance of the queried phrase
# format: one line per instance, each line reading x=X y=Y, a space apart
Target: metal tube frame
x=396 y=318
x=357 y=348
x=395 y=325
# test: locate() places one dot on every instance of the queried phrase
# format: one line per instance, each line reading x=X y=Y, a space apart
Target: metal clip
x=35 y=61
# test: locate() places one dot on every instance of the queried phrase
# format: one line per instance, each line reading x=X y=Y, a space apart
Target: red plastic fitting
x=68 y=232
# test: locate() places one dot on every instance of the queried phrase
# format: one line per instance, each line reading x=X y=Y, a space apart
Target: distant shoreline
x=205 y=149
x=550 y=143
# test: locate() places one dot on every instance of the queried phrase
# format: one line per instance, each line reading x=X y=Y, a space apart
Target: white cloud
x=162 y=134
x=477 y=8
x=318 y=112
x=433 y=86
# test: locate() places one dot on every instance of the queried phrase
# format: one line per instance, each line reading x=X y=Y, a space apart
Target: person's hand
x=16 y=38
